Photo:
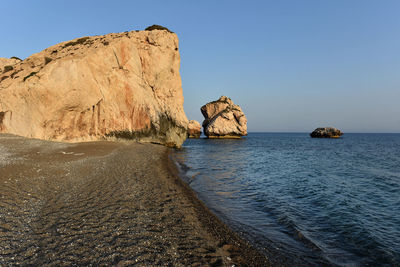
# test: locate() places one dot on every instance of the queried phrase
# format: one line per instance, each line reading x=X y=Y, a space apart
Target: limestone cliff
x=124 y=85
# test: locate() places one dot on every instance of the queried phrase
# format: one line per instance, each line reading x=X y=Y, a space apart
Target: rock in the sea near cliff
x=124 y=85
x=194 y=129
x=223 y=119
x=326 y=132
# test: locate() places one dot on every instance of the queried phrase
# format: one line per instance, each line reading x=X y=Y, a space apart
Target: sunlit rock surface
x=223 y=119
x=120 y=85
x=194 y=129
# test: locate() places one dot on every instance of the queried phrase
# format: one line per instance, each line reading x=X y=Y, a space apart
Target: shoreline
x=106 y=203
x=241 y=251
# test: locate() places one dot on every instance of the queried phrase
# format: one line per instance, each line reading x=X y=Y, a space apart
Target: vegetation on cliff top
x=79 y=41
x=15 y=58
x=157 y=27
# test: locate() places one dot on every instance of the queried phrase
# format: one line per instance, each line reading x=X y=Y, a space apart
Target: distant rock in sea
x=194 y=129
x=223 y=119
x=120 y=85
x=326 y=132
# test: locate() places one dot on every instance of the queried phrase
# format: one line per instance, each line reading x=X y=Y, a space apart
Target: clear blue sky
x=291 y=65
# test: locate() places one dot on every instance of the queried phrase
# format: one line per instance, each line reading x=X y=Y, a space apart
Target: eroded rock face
x=8 y=62
x=194 y=129
x=223 y=119
x=124 y=85
x=6 y=67
x=326 y=132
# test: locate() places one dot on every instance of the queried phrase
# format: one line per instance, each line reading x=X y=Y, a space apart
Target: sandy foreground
x=105 y=203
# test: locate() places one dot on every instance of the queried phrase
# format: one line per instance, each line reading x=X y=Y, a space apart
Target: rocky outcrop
x=124 y=85
x=194 y=129
x=223 y=119
x=326 y=132
x=6 y=64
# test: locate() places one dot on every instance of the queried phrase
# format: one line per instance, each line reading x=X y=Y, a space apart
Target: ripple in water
x=301 y=200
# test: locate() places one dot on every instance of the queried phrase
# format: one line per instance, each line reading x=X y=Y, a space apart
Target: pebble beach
x=106 y=203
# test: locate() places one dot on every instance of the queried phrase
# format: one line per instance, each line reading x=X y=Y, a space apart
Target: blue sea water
x=304 y=201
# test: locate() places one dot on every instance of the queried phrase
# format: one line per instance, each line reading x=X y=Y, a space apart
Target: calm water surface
x=304 y=201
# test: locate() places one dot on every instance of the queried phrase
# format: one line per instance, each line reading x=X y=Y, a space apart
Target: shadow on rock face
x=223 y=119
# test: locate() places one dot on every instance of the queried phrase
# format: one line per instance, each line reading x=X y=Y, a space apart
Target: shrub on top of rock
x=17 y=58
x=157 y=27
x=78 y=41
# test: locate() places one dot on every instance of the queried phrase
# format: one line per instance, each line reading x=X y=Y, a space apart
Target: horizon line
x=310 y=132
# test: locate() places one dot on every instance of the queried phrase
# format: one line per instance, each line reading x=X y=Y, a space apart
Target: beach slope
x=105 y=203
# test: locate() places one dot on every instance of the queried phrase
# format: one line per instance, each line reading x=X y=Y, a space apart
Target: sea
x=303 y=201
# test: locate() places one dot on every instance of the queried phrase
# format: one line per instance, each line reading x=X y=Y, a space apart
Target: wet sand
x=106 y=203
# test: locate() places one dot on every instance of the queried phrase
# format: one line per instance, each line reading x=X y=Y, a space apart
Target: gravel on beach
x=106 y=203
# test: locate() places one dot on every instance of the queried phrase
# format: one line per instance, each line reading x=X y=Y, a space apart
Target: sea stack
x=223 y=119
x=194 y=129
x=120 y=85
x=326 y=132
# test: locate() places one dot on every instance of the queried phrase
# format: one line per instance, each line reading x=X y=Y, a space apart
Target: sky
x=292 y=66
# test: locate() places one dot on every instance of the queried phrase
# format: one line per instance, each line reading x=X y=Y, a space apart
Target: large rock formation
x=223 y=119
x=194 y=129
x=124 y=85
x=326 y=132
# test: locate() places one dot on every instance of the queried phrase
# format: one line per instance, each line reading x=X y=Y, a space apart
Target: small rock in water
x=194 y=129
x=326 y=132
